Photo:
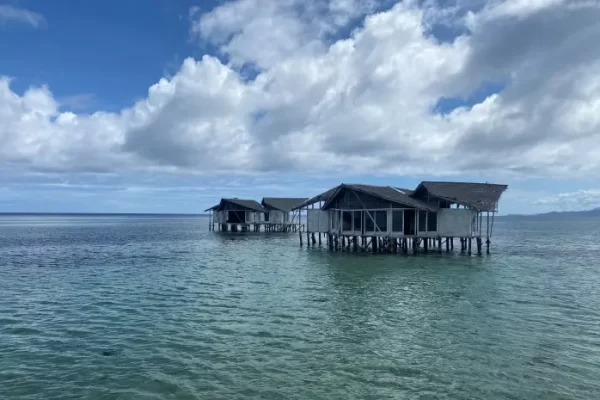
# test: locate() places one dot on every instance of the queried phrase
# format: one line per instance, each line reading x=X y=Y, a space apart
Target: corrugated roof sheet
x=282 y=203
x=481 y=196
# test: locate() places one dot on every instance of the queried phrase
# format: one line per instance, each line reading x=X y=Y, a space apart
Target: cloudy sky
x=166 y=106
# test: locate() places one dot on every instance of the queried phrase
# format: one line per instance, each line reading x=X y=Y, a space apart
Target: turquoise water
x=122 y=307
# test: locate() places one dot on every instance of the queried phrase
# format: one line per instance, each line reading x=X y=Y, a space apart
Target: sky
x=166 y=106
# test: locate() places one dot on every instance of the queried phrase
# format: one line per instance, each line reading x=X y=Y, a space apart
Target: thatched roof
x=282 y=203
x=481 y=196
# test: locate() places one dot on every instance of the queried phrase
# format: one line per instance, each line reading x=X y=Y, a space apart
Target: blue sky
x=124 y=106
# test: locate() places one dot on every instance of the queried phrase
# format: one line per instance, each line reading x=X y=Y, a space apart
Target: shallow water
x=159 y=308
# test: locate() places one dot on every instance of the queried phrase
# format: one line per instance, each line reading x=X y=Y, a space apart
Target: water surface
x=130 y=307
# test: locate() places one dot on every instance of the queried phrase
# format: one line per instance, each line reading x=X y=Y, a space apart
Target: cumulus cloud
x=355 y=98
x=10 y=13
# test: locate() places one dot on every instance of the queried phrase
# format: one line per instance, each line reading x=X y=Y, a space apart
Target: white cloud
x=572 y=201
x=10 y=13
x=359 y=104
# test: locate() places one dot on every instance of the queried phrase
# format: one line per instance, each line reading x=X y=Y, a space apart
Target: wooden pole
x=470 y=238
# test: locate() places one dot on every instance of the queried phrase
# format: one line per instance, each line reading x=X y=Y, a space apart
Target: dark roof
x=481 y=196
x=320 y=197
x=393 y=194
x=213 y=207
x=249 y=204
x=282 y=203
x=390 y=193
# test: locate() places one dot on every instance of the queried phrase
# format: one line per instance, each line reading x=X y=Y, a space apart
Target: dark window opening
x=236 y=217
x=381 y=220
x=397 y=221
x=432 y=222
x=422 y=221
x=346 y=221
x=409 y=222
x=369 y=224
x=357 y=220
x=266 y=217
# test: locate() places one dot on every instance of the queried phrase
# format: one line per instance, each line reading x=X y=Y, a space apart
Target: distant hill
x=557 y=214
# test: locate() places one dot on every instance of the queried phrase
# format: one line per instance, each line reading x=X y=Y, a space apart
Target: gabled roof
x=393 y=194
x=282 y=203
x=389 y=193
x=481 y=196
x=248 y=204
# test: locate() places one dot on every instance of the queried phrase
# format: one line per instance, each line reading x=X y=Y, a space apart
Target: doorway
x=409 y=222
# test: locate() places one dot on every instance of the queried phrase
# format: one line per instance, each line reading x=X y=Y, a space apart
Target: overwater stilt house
x=280 y=215
x=236 y=215
x=387 y=218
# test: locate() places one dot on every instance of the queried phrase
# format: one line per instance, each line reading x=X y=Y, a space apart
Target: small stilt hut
x=387 y=218
x=236 y=215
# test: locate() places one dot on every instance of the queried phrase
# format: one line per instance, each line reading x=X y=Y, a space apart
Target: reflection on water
x=157 y=307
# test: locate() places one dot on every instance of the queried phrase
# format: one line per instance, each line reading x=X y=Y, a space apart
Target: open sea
x=158 y=307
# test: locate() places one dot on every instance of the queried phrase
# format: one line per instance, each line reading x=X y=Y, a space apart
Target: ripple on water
x=160 y=308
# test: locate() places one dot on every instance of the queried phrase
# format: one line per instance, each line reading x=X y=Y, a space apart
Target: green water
x=160 y=308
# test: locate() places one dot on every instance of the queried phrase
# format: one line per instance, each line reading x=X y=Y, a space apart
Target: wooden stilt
x=479 y=245
x=426 y=245
x=355 y=243
x=470 y=239
x=374 y=244
x=314 y=241
x=448 y=245
x=319 y=239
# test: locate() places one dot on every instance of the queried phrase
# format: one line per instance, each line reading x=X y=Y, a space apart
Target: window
x=347 y=220
x=369 y=224
x=266 y=217
x=397 y=221
x=381 y=220
x=357 y=220
x=432 y=222
x=422 y=221
x=380 y=223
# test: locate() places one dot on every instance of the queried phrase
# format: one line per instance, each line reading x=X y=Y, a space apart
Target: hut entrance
x=409 y=222
x=236 y=217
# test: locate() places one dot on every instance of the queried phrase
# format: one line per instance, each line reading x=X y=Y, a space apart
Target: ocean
x=158 y=307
